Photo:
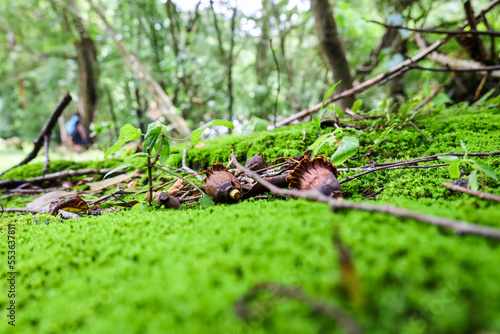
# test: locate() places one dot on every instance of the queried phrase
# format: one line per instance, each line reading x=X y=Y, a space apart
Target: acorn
x=316 y=174
x=222 y=186
x=256 y=162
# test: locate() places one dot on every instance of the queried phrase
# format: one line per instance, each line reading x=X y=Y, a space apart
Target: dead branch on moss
x=341 y=317
x=460 y=227
x=480 y=194
x=46 y=131
x=54 y=176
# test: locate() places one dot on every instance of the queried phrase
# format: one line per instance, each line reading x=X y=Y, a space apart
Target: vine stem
x=150 y=177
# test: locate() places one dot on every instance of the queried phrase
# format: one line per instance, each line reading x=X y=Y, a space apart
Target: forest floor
x=151 y=271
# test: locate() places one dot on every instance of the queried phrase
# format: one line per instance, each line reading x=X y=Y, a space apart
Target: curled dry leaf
x=256 y=162
x=222 y=186
x=74 y=204
x=174 y=190
x=316 y=174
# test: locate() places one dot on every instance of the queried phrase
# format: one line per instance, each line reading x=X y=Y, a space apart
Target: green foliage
x=319 y=117
x=477 y=166
x=195 y=135
x=127 y=133
x=347 y=148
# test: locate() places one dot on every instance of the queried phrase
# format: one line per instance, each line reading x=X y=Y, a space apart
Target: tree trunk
x=332 y=48
x=262 y=66
x=88 y=72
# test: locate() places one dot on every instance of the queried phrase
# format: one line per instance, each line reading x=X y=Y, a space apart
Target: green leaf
x=357 y=105
x=318 y=141
x=116 y=169
x=329 y=139
x=455 y=170
x=347 y=148
x=327 y=95
x=165 y=151
x=127 y=133
x=152 y=136
x=449 y=158
x=206 y=201
x=482 y=167
x=136 y=155
x=463 y=146
x=441 y=99
x=473 y=184
x=195 y=136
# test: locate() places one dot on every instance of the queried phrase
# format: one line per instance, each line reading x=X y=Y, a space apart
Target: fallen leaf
x=174 y=190
x=199 y=145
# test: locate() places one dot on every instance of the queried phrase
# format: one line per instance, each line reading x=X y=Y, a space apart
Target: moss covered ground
x=181 y=271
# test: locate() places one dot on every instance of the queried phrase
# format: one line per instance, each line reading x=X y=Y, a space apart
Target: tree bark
x=88 y=71
x=331 y=46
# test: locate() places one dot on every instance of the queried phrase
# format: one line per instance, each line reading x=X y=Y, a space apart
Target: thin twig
x=46 y=130
x=480 y=194
x=438 y=31
x=279 y=82
x=416 y=127
x=46 y=142
x=460 y=227
x=451 y=69
x=150 y=176
x=54 y=176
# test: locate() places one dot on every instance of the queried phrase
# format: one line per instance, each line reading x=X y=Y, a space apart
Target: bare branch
x=438 y=31
x=480 y=194
x=460 y=227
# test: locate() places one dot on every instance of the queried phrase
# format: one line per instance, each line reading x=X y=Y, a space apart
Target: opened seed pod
x=222 y=186
x=316 y=174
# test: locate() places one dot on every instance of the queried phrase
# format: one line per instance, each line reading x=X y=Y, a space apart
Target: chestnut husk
x=256 y=162
x=221 y=185
x=316 y=174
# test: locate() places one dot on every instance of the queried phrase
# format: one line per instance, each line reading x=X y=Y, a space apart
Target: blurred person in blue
x=76 y=133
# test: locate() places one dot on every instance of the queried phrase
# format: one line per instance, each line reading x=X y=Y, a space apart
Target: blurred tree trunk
x=262 y=66
x=88 y=71
x=331 y=47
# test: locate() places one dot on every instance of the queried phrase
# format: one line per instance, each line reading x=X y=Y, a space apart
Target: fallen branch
x=448 y=68
x=393 y=72
x=460 y=227
x=54 y=176
x=46 y=131
x=452 y=63
x=438 y=31
x=480 y=194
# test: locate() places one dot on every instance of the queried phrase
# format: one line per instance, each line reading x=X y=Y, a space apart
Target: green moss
x=144 y=271
x=36 y=169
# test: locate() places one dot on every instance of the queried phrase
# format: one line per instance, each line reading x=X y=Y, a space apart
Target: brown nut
x=222 y=186
x=256 y=162
x=170 y=202
x=316 y=174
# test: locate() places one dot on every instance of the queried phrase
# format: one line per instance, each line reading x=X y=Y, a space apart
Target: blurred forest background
x=221 y=59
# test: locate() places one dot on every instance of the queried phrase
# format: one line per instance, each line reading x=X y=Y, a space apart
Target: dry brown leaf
x=174 y=190
x=199 y=145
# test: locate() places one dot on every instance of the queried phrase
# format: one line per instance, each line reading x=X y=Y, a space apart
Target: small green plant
x=157 y=149
x=480 y=169
x=347 y=147
x=317 y=120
